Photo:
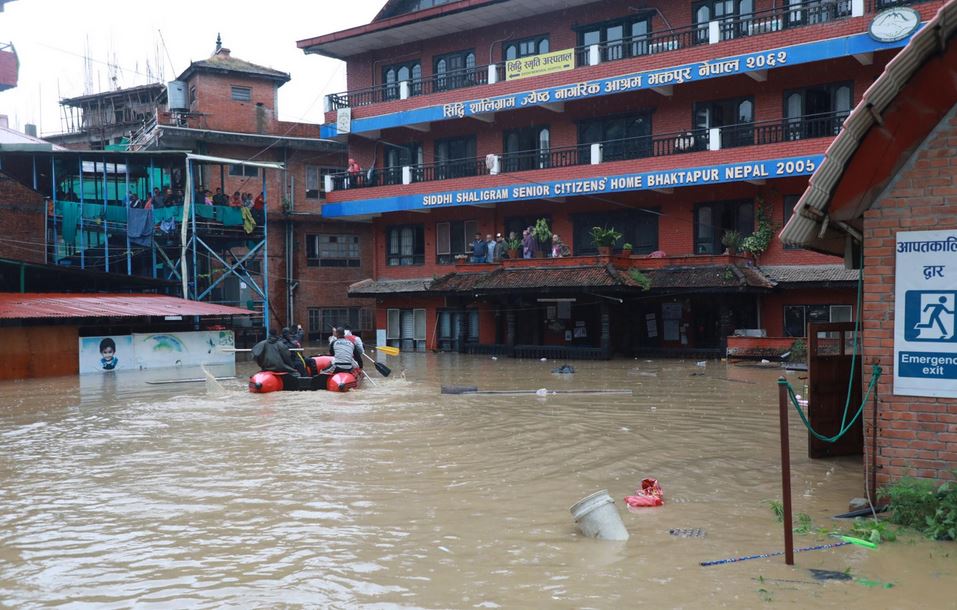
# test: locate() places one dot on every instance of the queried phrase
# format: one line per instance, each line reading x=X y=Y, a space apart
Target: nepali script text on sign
x=925 y=314
x=546 y=63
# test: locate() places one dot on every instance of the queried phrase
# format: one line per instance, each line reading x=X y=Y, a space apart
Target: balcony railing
x=460 y=79
x=875 y=6
x=780 y=18
x=662 y=145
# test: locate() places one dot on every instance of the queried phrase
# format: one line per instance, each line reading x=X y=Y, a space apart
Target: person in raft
x=345 y=354
x=271 y=354
x=108 y=359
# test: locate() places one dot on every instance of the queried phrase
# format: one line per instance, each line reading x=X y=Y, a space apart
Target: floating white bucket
x=597 y=517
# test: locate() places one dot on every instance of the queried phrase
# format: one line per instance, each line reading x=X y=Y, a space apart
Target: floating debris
x=681 y=532
x=565 y=369
x=829 y=575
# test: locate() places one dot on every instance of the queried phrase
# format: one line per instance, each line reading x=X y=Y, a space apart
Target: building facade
x=224 y=107
x=686 y=127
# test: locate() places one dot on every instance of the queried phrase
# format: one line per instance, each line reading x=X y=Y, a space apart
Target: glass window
x=817 y=111
x=622 y=137
x=526 y=47
x=712 y=220
x=405 y=245
x=619 y=38
x=315 y=180
x=637 y=227
x=735 y=115
x=455 y=158
x=455 y=70
x=396 y=73
x=323 y=319
x=238 y=169
x=326 y=250
x=452 y=238
x=526 y=148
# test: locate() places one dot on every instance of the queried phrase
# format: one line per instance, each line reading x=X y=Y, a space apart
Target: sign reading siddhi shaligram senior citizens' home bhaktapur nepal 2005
x=925 y=314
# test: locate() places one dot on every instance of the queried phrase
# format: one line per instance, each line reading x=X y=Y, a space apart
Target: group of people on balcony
x=489 y=250
x=238 y=200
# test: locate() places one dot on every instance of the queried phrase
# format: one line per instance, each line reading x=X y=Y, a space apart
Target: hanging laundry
x=139 y=226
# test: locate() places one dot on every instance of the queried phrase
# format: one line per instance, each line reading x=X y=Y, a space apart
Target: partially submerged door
x=830 y=349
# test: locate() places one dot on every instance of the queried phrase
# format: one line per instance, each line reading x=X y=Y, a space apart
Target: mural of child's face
x=108 y=353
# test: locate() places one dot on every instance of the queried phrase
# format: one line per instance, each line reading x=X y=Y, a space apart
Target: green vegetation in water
x=805 y=524
x=777 y=509
x=924 y=506
x=873 y=530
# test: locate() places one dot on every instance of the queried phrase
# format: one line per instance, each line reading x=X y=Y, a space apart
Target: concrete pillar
x=725 y=325
x=857 y=8
x=714 y=32
x=406 y=174
x=714 y=138
x=510 y=328
x=605 y=342
x=329 y=183
x=494 y=163
x=595 y=154
x=327 y=103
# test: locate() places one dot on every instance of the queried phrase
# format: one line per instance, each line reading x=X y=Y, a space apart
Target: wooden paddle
x=385 y=349
x=383 y=369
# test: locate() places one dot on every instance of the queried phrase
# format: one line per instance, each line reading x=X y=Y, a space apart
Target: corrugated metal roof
x=803 y=228
x=15 y=306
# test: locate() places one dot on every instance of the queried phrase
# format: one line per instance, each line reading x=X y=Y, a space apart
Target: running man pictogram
x=936 y=310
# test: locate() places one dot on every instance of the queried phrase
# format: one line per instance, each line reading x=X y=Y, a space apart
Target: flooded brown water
x=115 y=493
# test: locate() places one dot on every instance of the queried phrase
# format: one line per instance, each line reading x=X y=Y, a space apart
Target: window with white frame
x=327 y=250
x=405 y=329
x=452 y=238
x=239 y=169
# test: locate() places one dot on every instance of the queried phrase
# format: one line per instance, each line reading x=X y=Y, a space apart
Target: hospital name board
x=695 y=176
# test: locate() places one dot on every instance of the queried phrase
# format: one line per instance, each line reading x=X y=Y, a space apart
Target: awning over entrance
x=504 y=280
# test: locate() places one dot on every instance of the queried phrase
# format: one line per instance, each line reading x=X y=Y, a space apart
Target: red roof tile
x=15 y=305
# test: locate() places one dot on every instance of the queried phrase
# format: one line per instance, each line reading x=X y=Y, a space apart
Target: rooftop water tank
x=176 y=92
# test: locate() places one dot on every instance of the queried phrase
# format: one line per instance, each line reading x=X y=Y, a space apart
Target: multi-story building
x=679 y=124
x=224 y=109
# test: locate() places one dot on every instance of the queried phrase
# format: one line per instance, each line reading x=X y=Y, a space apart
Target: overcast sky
x=53 y=37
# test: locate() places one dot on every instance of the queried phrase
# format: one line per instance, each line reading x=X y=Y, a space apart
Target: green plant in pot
x=732 y=240
x=626 y=249
x=604 y=238
x=543 y=235
x=514 y=247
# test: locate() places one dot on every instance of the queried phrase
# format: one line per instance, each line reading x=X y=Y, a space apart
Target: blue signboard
x=641 y=181
x=636 y=81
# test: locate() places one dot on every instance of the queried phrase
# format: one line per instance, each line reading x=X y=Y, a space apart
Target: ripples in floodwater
x=118 y=493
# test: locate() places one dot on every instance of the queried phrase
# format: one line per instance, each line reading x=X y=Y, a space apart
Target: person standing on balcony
x=529 y=243
x=354 y=170
x=220 y=197
x=499 y=248
x=559 y=248
x=489 y=249
x=479 y=249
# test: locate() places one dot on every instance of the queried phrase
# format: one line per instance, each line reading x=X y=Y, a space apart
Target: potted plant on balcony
x=604 y=238
x=626 y=249
x=514 y=247
x=543 y=235
x=732 y=240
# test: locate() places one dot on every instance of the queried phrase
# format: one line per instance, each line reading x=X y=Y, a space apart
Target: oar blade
x=385 y=349
x=383 y=369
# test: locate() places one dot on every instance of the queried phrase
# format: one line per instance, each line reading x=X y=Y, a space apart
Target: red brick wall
x=917 y=436
x=221 y=112
x=366 y=70
x=22 y=214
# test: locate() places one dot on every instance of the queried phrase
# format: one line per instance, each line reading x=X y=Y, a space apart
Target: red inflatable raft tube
x=269 y=381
